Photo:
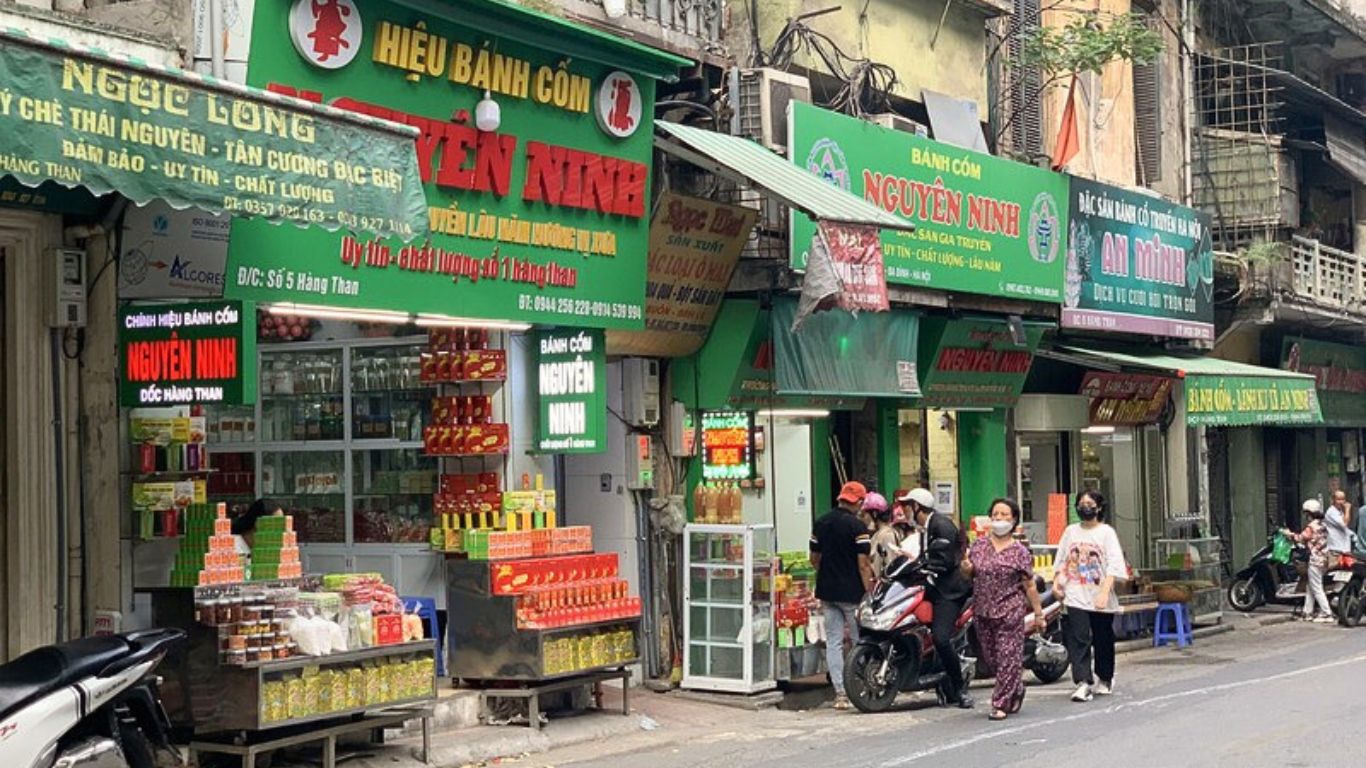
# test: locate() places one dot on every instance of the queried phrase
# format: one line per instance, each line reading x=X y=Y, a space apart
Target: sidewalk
x=668 y=718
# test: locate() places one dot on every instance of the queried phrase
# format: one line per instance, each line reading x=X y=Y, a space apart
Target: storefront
x=120 y=129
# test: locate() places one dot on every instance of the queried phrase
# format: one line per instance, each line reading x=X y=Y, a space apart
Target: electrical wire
x=865 y=85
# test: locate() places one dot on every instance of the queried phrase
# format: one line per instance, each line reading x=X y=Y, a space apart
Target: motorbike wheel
x=1350 y=607
x=1245 y=595
x=861 y=683
x=137 y=751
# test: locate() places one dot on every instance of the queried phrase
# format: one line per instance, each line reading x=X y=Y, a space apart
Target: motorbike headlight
x=877 y=622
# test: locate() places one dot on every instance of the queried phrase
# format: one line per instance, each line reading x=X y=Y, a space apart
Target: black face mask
x=1088 y=513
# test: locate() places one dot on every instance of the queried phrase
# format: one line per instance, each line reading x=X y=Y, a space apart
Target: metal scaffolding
x=1243 y=175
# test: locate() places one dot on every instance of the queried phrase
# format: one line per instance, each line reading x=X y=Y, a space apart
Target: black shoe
x=965 y=701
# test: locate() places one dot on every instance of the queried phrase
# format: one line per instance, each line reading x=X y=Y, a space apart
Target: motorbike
x=1351 y=607
x=895 y=652
x=87 y=703
x=1264 y=580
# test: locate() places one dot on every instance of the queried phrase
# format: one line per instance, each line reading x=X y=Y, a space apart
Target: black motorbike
x=1351 y=608
x=1265 y=581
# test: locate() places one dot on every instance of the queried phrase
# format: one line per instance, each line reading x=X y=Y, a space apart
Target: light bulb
x=487 y=114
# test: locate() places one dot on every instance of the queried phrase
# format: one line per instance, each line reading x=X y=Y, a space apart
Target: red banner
x=856 y=254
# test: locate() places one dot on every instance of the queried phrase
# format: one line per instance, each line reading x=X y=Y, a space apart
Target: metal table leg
x=625 y=695
x=533 y=710
x=427 y=741
x=330 y=752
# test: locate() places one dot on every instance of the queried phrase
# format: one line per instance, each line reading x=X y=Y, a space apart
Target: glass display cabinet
x=728 y=602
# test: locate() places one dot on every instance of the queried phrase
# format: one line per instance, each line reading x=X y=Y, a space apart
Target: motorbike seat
x=50 y=668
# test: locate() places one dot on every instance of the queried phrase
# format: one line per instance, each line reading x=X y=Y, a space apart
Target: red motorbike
x=895 y=651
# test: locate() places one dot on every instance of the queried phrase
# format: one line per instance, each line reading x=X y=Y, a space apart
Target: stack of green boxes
x=275 y=551
x=194 y=543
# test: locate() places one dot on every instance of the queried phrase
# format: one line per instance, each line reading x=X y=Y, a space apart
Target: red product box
x=388 y=629
x=485 y=365
x=481 y=439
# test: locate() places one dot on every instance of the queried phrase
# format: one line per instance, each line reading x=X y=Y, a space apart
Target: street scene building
x=446 y=366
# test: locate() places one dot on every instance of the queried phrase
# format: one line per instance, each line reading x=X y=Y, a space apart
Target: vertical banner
x=856 y=253
x=571 y=380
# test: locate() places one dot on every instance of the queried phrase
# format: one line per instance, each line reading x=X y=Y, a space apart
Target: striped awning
x=745 y=162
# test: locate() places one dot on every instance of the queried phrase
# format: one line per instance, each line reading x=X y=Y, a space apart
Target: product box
x=485 y=365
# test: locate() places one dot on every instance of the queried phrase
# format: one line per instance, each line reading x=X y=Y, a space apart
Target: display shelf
x=722 y=652
x=332 y=659
x=321 y=716
x=590 y=625
x=171 y=473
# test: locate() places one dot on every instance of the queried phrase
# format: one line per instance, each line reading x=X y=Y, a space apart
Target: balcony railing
x=684 y=26
x=1327 y=276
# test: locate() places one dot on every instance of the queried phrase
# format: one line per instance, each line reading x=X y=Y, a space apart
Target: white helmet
x=1312 y=506
x=920 y=496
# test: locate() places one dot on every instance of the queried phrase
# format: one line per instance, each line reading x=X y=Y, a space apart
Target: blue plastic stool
x=426 y=610
x=1180 y=619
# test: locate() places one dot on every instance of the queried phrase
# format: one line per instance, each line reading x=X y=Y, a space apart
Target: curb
x=1272 y=621
x=1144 y=643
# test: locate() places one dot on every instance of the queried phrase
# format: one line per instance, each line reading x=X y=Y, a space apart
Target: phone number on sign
x=578 y=307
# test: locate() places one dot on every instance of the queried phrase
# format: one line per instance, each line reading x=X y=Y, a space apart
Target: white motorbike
x=88 y=703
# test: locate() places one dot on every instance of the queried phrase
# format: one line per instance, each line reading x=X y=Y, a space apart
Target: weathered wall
x=1171 y=182
x=892 y=32
x=1104 y=106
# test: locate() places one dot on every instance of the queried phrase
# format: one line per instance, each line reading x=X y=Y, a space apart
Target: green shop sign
x=1137 y=264
x=983 y=225
x=571 y=380
x=973 y=363
x=1241 y=401
x=1339 y=373
x=538 y=215
x=187 y=354
x=115 y=125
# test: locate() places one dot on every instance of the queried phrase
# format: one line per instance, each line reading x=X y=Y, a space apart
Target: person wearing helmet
x=948 y=588
x=1315 y=538
x=885 y=536
x=840 y=547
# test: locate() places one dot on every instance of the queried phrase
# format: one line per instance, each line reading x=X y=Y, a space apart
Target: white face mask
x=1002 y=528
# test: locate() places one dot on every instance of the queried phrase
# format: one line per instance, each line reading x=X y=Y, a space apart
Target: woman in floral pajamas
x=1003 y=591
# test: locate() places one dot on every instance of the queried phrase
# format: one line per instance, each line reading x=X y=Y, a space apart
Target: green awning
x=746 y=162
x=837 y=354
x=1224 y=393
x=533 y=27
x=81 y=117
x=735 y=368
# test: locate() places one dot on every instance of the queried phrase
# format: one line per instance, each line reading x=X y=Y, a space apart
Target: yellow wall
x=1104 y=105
x=943 y=446
x=892 y=32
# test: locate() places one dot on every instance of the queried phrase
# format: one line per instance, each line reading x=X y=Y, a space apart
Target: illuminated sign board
x=727 y=446
x=187 y=354
x=571 y=379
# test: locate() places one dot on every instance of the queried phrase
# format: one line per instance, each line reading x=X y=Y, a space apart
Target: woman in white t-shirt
x=1089 y=562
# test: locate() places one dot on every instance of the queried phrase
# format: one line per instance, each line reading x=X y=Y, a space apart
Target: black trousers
x=946 y=614
x=1087 y=634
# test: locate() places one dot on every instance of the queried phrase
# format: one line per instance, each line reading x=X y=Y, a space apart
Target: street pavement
x=1284 y=695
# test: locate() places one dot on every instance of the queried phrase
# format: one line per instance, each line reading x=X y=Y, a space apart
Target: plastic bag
x=1281 y=548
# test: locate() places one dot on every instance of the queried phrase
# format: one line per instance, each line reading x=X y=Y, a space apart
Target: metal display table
x=376 y=722
x=532 y=693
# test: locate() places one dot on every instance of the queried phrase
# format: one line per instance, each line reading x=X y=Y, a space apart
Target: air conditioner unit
x=759 y=99
x=898 y=123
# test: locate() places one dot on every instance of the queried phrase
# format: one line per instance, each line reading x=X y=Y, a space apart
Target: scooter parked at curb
x=1266 y=581
x=92 y=703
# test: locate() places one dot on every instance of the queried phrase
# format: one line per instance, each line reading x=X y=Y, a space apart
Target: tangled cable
x=866 y=85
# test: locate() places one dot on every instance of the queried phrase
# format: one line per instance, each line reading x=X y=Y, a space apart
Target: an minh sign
x=571 y=379
x=186 y=354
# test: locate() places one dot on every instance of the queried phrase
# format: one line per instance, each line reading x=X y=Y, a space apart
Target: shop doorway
x=1045 y=460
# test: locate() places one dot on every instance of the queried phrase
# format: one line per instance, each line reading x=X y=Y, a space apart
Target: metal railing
x=684 y=26
x=1328 y=276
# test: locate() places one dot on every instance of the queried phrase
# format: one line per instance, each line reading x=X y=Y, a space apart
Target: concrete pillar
x=98 y=425
x=1247 y=492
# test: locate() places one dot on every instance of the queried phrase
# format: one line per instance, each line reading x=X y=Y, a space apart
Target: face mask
x=1002 y=528
x=1088 y=513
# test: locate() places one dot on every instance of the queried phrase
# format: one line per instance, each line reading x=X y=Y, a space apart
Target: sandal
x=1017 y=702
x=999 y=714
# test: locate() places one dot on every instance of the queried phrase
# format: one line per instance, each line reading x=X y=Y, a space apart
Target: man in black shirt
x=839 y=552
x=948 y=587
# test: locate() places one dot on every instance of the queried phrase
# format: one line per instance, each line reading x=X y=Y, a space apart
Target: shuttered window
x=1148 y=120
x=1026 y=101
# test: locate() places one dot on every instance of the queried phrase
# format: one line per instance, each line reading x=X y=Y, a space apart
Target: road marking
x=1156 y=700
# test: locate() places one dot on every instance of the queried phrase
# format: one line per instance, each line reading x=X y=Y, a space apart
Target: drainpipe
x=1187 y=101
x=218 y=66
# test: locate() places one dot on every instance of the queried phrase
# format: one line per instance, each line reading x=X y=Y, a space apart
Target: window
x=1148 y=117
x=1024 y=85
